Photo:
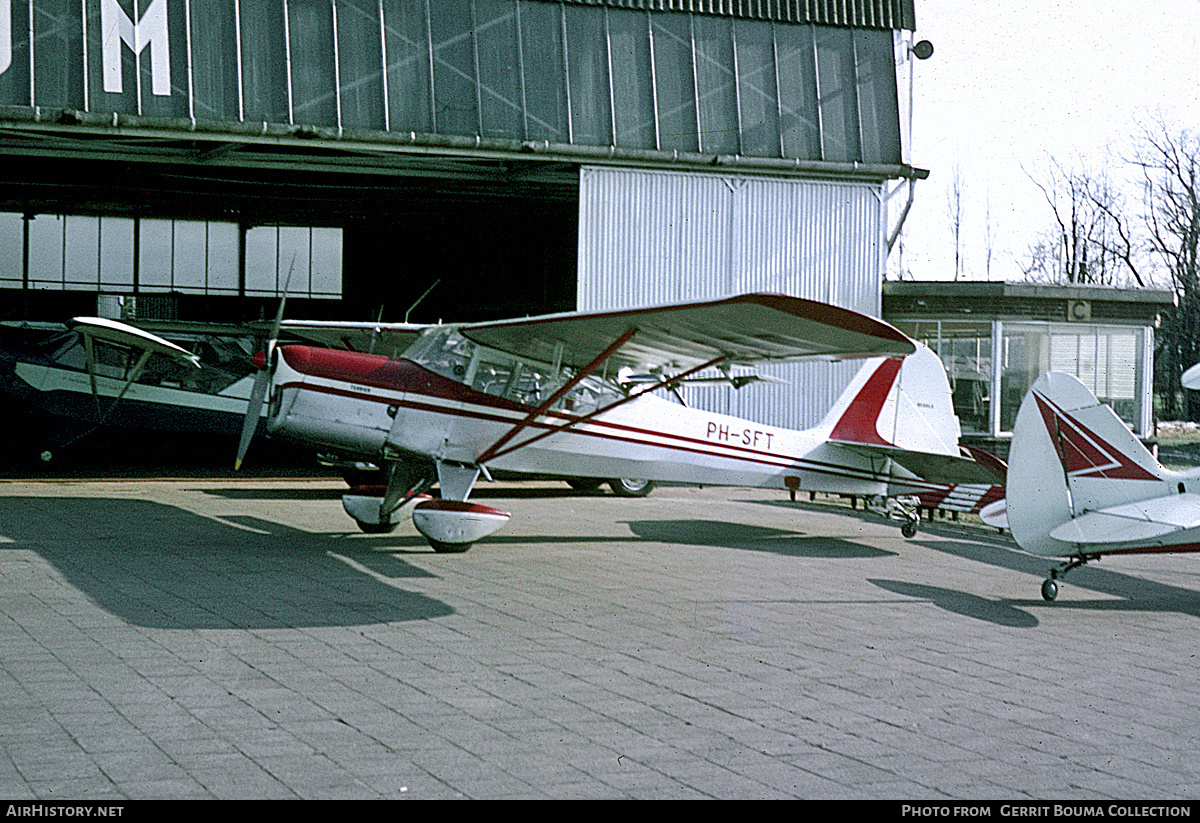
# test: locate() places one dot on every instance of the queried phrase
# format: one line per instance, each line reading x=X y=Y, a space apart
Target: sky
x=1014 y=83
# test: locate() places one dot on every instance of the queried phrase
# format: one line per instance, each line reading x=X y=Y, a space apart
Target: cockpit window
x=449 y=354
x=443 y=351
x=223 y=361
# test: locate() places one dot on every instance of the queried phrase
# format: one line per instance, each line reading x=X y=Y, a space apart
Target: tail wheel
x=630 y=487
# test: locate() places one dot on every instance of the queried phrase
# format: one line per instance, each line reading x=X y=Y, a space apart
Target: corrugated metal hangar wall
x=534 y=155
x=649 y=237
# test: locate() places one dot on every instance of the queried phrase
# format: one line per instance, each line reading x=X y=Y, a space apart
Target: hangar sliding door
x=649 y=237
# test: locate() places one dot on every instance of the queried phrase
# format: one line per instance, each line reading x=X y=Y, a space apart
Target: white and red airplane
x=574 y=395
x=1081 y=485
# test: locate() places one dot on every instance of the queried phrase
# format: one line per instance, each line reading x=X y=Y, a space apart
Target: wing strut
x=128 y=338
x=494 y=452
x=134 y=373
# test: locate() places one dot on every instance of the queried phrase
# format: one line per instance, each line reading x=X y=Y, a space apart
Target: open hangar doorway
x=461 y=240
x=449 y=259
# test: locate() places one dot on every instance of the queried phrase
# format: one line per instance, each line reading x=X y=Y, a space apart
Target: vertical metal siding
x=648 y=237
x=895 y=14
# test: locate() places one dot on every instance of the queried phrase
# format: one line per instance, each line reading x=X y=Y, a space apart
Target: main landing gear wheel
x=629 y=487
x=453 y=526
x=1049 y=589
x=909 y=529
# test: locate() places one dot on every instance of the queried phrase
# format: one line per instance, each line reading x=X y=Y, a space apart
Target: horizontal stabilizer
x=935 y=468
x=1191 y=378
x=1144 y=520
x=995 y=514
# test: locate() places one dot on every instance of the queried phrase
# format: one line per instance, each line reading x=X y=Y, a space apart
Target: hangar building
x=508 y=157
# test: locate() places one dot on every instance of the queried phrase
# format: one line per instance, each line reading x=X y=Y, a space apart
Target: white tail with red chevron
x=1081 y=485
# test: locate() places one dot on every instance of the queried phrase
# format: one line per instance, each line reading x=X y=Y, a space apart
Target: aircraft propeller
x=262 y=380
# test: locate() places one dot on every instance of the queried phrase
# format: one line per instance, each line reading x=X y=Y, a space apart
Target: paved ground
x=236 y=639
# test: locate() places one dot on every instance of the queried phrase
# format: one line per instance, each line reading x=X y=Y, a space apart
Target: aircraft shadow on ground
x=998 y=612
x=159 y=566
x=720 y=534
x=1121 y=592
x=251 y=492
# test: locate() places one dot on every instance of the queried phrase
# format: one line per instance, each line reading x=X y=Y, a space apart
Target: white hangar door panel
x=650 y=237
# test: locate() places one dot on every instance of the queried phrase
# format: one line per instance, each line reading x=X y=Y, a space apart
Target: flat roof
x=1017 y=301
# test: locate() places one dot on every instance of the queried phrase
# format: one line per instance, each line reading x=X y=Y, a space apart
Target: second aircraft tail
x=1070 y=454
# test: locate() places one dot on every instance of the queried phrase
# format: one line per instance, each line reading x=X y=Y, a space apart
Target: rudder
x=906 y=404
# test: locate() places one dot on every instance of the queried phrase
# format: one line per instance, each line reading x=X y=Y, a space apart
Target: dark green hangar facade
x=517 y=156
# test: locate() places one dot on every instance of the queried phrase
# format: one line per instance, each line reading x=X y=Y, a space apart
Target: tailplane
x=1070 y=454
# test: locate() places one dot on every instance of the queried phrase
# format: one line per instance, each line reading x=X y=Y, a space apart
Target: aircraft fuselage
x=457 y=409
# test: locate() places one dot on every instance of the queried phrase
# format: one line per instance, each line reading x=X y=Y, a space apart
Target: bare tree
x=954 y=212
x=989 y=239
x=1170 y=164
x=1091 y=241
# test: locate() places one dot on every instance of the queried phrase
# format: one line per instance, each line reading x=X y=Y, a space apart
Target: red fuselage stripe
x=630 y=434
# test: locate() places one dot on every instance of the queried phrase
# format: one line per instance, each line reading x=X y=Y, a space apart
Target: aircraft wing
x=382 y=338
x=746 y=329
x=1132 y=522
x=122 y=334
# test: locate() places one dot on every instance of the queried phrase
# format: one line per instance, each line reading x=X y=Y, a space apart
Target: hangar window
x=12 y=242
x=1105 y=358
x=188 y=256
x=966 y=351
x=144 y=255
x=306 y=260
x=992 y=363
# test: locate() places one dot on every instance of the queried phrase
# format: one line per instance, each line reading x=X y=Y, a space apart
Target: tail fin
x=906 y=404
x=1070 y=454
